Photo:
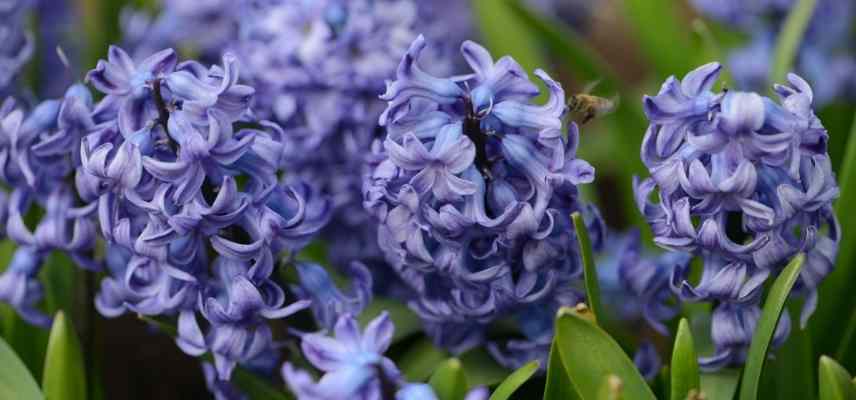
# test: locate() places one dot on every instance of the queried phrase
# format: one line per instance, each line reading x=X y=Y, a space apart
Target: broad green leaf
x=766 y=327
x=612 y=388
x=589 y=355
x=558 y=385
x=720 y=385
x=662 y=34
x=685 y=374
x=791 y=373
x=589 y=269
x=449 y=381
x=835 y=382
x=406 y=322
x=420 y=360
x=256 y=388
x=15 y=381
x=836 y=291
x=515 y=380
x=790 y=38
x=64 y=377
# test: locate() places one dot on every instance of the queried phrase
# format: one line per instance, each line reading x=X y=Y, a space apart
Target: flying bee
x=585 y=107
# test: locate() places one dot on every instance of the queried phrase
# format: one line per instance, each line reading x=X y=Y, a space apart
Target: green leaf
x=406 y=322
x=612 y=388
x=685 y=375
x=720 y=385
x=589 y=355
x=15 y=380
x=766 y=327
x=420 y=360
x=590 y=271
x=835 y=382
x=835 y=293
x=64 y=377
x=449 y=381
x=558 y=385
x=791 y=373
x=515 y=380
x=790 y=38
x=256 y=388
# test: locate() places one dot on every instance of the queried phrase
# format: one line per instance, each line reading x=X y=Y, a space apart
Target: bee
x=585 y=107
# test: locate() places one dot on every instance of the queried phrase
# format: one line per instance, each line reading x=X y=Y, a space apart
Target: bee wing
x=589 y=87
x=614 y=101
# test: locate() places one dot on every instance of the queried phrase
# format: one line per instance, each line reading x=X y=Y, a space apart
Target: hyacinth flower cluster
x=354 y=366
x=473 y=186
x=185 y=184
x=16 y=44
x=745 y=183
x=41 y=213
x=826 y=56
x=319 y=67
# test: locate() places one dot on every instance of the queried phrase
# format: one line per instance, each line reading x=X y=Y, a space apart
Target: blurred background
x=628 y=47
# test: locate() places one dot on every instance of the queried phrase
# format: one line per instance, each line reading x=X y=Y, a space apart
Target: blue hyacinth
x=473 y=187
x=745 y=183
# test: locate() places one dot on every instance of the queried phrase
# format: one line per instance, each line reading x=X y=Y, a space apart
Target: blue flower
x=353 y=363
x=746 y=188
x=328 y=302
x=235 y=313
x=473 y=188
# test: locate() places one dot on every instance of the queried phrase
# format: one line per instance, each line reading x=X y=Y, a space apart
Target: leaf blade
x=589 y=355
x=515 y=380
x=766 y=327
x=449 y=381
x=835 y=381
x=558 y=385
x=684 y=367
x=589 y=269
x=720 y=385
x=64 y=375
x=16 y=382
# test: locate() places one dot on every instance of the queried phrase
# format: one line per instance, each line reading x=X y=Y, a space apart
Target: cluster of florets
x=745 y=183
x=189 y=202
x=473 y=186
x=825 y=57
x=16 y=44
x=354 y=366
x=42 y=214
x=319 y=67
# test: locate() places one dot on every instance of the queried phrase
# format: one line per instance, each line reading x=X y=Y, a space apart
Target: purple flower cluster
x=354 y=366
x=319 y=67
x=16 y=44
x=473 y=187
x=745 y=183
x=826 y=57
x=42 y=214
x=189 y=202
